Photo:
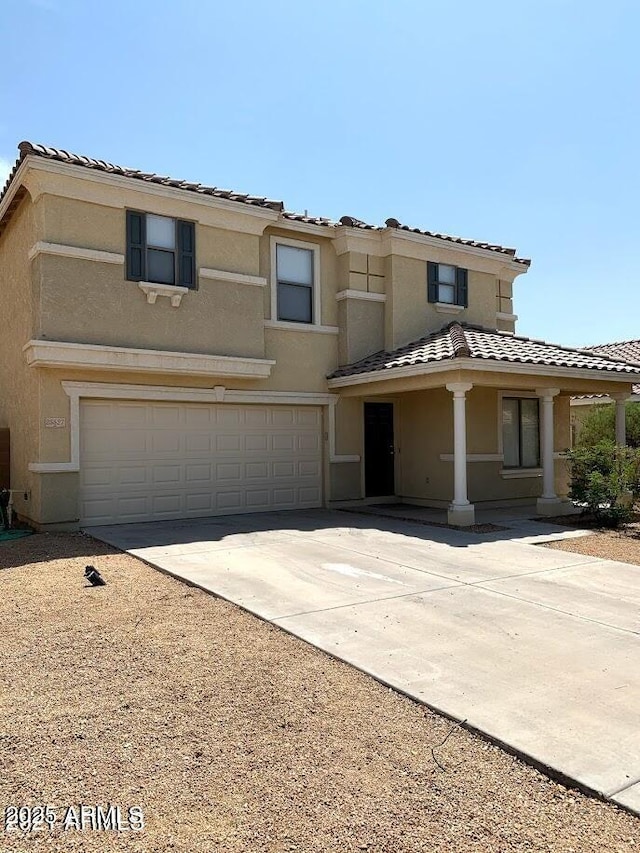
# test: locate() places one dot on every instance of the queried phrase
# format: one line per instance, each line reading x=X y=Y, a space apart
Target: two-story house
x=171 y=350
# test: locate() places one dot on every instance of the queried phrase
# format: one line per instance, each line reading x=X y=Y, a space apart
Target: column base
x=552 y=506
x=461 y=515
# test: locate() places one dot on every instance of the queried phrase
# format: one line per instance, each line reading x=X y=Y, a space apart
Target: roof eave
x=480 y=365
x=37 y=163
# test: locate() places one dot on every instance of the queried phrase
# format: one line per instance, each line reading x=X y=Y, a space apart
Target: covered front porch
x=452 y=423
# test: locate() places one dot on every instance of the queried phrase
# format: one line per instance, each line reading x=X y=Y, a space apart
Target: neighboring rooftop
x=463 y=340
x=627 y=350
x=36 y=150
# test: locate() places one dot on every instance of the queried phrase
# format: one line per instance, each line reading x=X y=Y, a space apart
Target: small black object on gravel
x=93 y=576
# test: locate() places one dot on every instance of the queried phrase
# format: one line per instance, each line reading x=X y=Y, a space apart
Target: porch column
x=549 y=503
x=621 y=424
x=461 y=512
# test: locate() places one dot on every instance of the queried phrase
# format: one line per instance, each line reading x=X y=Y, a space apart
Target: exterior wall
x=90 y=301
x=346 y=477
x=426 y=432
x=361 y=326
x=19 y=386
x=409 y=315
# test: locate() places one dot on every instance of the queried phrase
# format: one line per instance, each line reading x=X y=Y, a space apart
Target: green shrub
x=605 y=481
x=600 y=425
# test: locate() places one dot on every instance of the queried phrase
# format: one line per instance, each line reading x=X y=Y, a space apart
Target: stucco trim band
x=361 y=294
x=91 y=356
x=520 y=473
x=63 y=251
x=474 y=457
x=233 y=277
x=285 y=326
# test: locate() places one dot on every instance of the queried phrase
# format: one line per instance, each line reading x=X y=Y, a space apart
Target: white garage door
x=148 y=461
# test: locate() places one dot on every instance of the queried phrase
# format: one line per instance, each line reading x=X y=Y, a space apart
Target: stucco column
x=621 y=422
x=460 y=512
x=549 y=503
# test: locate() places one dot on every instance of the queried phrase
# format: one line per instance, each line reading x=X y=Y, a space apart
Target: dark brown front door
x=378 y=450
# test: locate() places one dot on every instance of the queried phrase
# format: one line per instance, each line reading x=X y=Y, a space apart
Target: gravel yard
x=234 y=736
x=621 y=545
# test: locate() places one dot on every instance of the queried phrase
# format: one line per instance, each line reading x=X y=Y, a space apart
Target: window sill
x=287 y=326
x=448 y=308
x=172 y=291
x=520 y=473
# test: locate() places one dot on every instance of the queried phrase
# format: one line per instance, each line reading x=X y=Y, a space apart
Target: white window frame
x=316 y=301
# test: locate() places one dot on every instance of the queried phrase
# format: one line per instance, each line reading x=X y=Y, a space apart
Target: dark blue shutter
x=432 y=281
x=186 y=254
x=462 y=295
x=135 y=246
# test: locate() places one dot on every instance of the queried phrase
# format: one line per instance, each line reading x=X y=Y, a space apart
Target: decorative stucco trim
x=475 y=457
x=300 y=327
x=448 y=308
x=361 y=294
x=168 y=393
x=63 y=251
x=180 y=394
x=511 y=318
x=53 y=467
x=233 y=277
x=520 y=473
x=172 y=291
x=94 y=357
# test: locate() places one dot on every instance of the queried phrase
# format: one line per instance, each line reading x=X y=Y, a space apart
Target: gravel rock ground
x=234 y=736
x=623 y=545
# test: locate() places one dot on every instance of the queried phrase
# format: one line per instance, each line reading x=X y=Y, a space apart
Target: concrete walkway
x=539 y=649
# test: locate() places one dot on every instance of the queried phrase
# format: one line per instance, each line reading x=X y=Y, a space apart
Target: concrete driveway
x=539 y=649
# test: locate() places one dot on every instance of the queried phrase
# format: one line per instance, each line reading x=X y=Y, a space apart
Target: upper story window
x=520 y=432
x=447 y=284
x=160 y=249
x=295 y=274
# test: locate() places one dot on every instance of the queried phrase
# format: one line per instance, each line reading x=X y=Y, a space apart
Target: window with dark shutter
x=186 y=254
x=462 y=297
x=447 y=284
x=432 y=281
x=136 y=268
x=160 y=250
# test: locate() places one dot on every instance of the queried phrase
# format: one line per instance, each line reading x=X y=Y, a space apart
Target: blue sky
x=511 y=122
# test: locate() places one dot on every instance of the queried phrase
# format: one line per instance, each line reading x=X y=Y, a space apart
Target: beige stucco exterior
x=59 y=286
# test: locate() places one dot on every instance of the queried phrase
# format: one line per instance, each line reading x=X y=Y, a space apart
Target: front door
x=378 y=450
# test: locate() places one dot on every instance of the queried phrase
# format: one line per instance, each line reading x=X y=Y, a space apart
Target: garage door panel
x=165 y=441
x=144 y=461
x=227 y=442
x=131 y=475
x=198 y=472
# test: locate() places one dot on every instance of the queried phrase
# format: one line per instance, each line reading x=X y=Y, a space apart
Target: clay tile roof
x=463 y=340
x=27 y=148
x=627 y=350
x=491 y=247
x=49 y=153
